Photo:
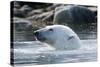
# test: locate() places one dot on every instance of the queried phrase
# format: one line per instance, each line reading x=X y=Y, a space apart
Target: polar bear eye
x=50 y=29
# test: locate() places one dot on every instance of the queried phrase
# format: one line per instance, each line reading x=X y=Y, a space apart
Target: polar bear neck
x=67 y=45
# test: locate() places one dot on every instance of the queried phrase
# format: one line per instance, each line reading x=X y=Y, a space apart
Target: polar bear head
x=58 y=36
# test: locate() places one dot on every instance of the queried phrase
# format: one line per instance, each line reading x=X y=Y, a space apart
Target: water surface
x=34 y=52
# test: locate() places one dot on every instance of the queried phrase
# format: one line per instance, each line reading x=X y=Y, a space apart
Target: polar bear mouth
x=40 y=38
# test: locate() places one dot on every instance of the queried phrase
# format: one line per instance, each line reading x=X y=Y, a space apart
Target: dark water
x=34 y=52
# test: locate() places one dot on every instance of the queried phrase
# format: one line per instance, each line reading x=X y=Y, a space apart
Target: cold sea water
x=36 y=53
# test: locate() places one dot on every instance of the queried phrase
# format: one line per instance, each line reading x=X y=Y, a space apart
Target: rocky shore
x=27 y=17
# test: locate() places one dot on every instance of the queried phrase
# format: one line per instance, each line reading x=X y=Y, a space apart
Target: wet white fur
x=62 y=37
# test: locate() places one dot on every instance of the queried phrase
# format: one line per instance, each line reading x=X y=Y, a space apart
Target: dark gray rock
x=49 y=18
x=21 y=12
x=16 y=5
x=52 y=7
x=41 y=16
x=74 y=16
x=18 y=13
x=22 y=30
x=35 y=12
x=25 y=9
x=21 y=24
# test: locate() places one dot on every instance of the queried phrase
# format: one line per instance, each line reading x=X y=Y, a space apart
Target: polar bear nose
x=36 y=33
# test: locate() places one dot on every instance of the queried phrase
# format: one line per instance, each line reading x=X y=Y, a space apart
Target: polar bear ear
x=70 y=37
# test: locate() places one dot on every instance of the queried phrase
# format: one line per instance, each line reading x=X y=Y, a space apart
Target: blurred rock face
x=29 y=16
x=74 y=16
x=22 y=30
x=21 y=24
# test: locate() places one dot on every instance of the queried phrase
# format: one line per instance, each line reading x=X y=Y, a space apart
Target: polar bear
x=58 y=36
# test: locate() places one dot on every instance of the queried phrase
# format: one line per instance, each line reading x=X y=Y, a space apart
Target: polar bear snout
x=36 y=33
x=39 y=35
